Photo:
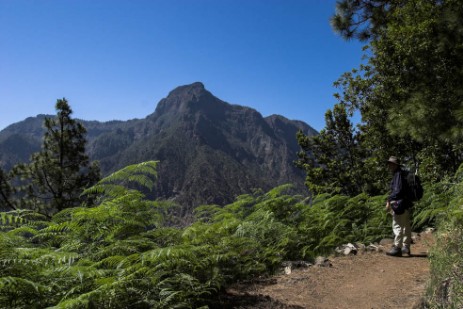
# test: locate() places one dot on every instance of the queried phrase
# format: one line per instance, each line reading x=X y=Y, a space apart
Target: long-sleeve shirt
x=399 y=187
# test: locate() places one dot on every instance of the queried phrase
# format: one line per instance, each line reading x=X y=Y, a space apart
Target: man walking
x=399 y=205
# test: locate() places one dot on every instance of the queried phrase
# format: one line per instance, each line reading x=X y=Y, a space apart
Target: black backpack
x=414 y=188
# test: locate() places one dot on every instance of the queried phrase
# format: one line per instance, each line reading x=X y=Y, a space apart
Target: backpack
x=415 y=189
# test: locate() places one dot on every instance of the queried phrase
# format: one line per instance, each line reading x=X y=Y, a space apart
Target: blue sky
x=116 y=59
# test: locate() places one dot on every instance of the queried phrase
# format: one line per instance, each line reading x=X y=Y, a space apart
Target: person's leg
x=407 y=232
x=398 y=236
x=397 y=228
x=407 y=228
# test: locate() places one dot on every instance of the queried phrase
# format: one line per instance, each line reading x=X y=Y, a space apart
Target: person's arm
x=396 y=187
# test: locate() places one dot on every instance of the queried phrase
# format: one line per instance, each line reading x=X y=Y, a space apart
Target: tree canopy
x=409 y=90
x=57 y=174
x=333 y=159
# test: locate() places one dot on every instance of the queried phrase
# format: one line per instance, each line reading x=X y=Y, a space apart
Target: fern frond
x=10 y=219
x=59 y=258
x=16 y=283
x=123 y=247
x=278 y=191
x=142 y=174
x=110 y=262
x=162 y=254
x=65 y=214
x=24 y=231
x=110 y=190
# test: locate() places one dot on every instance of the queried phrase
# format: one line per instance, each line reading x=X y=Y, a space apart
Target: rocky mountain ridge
x=210 y=151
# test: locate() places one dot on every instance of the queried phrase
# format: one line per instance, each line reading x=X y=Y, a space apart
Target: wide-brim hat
x=393 y=160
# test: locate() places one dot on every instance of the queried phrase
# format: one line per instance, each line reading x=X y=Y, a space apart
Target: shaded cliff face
x=209 y=151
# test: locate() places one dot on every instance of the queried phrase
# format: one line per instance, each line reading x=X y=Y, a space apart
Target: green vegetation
x=70 y=243
x=57 y=174
x=409 y=95
x=446 y=286
x=124 y=252
x=333 y=161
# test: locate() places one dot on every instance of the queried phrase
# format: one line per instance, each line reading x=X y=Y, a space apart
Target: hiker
x=399 y=206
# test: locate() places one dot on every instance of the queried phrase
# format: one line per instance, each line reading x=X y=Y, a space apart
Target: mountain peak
x=196 y=88
x=187 y=98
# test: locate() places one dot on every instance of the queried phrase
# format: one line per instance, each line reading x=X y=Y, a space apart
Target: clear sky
x=114 y=59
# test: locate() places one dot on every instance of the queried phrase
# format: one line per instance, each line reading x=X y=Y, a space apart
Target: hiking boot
x=406 y=250
x=395 y=251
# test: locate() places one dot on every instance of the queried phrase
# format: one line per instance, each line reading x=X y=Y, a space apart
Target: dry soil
x=364 y=281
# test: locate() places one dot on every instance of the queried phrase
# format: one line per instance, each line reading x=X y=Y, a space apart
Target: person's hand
x=388 y=206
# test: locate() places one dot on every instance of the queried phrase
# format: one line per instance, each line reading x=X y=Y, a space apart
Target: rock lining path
x=367 y=280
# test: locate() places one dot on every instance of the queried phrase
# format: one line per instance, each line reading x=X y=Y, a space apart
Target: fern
x=142 y=174
x=125 y=251
x=13 y=219
x=10 y=219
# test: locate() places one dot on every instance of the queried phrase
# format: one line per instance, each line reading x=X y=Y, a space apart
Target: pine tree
x=6 y=192
x=332 y=160
x=57 y=175
x=363 y=19
x=410 y=92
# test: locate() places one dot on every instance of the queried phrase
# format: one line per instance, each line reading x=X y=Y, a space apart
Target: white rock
x=350 y=249
x=322 y=262
x=288 y=270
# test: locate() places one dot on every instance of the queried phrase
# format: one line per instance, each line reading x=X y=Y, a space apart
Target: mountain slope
x=210 y=151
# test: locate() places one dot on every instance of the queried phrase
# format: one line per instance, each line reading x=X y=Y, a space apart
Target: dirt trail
x=363 y=281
